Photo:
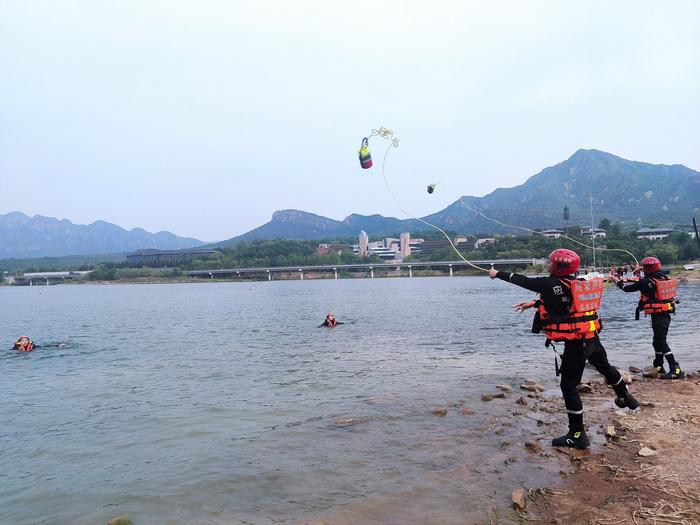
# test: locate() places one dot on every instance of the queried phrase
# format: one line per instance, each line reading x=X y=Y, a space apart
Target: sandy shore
x=647 y=473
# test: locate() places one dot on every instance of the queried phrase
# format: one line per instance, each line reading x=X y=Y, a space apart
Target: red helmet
x=651 y=264
x=564 y=262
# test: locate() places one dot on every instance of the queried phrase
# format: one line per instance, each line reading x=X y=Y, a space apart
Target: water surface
x=224 y=403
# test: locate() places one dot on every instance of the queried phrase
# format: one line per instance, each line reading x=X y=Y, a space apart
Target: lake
x=224 y=403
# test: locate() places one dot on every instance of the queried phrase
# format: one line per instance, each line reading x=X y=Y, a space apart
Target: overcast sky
x=203 y=118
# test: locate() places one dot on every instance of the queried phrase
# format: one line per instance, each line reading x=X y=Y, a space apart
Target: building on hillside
x=405 y=244
x=328 y=248
x=363 y=244
x=434 y=245
x=159 y=258
x=554 y=234
x=654 y=234
x=597 y=232
x=483 y=243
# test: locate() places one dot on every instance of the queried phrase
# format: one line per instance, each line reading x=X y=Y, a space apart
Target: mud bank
x=647 y=471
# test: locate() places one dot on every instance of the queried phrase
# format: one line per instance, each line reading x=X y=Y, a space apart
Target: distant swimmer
x=24 y=344
x=330 y=321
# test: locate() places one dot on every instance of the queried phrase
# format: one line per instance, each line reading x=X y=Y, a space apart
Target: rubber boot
x=574 y=439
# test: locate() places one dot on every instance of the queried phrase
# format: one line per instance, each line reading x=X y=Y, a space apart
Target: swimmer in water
x=24 y=344
x=331 y=321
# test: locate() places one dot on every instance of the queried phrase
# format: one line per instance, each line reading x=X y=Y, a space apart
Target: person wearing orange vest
x=657 y=299
x=330 y=321
x=24 y=344
x=558 y=316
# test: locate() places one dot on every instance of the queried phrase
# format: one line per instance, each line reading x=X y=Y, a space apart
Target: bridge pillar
x=335 y=273
x=238 y=274
x=451 y=274
x=410 y=271
x=301 y=274
x=371 y=272
x=211 y=275
x=47 y=281
x=269 y=275
x=30 y=283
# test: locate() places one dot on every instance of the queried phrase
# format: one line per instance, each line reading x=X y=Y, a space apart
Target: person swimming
x=24 y=344
x=330 y=321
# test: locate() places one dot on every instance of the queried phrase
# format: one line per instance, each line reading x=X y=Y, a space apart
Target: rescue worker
x=557 y=317
x=24 y=344
x=657 y=300
x=331 y=321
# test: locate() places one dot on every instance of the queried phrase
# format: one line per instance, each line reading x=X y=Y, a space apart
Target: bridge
x=302 y=270
x=35 y=278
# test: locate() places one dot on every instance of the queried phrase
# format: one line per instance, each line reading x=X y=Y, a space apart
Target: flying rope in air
x=366 y=162
x=431 y=189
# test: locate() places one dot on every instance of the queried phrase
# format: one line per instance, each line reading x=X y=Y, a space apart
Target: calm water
x=224 y=403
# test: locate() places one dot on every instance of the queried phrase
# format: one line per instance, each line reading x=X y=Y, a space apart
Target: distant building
x=363 y=246
x=405 y=244
x=654 y=234
x=432 y=246
x=554 y=234
x=159 y=258
x=328 y=248
x=483 y=243
x=597 y=233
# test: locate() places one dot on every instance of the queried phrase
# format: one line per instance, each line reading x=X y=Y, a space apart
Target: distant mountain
x=22 y=236
x=300 y=225
x=622 y=190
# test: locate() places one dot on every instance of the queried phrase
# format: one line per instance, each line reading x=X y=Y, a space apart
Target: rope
x=394 y=142
x=534 y=231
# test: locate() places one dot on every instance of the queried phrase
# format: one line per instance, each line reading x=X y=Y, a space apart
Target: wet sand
x=648 y=473
x=608 y=484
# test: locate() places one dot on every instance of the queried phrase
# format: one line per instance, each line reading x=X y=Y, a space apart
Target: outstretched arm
x=534 y=284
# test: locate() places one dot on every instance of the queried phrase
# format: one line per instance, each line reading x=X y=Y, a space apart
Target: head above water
x=563 y=262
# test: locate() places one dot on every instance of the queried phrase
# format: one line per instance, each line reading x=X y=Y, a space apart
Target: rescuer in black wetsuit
x=660 y=312
x=580 y=335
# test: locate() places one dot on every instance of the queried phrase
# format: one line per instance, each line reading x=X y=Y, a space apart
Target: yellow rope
x=394 y=142
x=534 y=231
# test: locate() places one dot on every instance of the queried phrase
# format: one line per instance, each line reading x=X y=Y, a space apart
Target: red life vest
x=582 y=321
x=26 y=347
x=664 y=299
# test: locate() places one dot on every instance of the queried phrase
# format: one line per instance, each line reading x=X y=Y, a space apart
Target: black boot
x=627 y=400
x=674 y=373
x=577 y=439
x=660 y=369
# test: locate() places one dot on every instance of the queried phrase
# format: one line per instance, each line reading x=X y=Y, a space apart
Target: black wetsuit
x=659 y=322
x=557 y=301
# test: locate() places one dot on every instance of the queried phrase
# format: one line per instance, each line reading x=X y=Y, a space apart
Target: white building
x=405 y=244
x=483 y=243
x=653 y=234
x=363 y=247
x=597 y=232
x=554 y=234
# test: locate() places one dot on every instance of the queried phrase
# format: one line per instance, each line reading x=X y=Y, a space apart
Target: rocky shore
x=646 y=471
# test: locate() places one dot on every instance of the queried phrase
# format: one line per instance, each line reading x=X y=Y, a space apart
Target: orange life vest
x=664 y=299
x=26 y=347
x=582 y=321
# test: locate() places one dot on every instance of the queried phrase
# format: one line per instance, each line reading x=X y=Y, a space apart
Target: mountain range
x=22 y=236
x=636 y=193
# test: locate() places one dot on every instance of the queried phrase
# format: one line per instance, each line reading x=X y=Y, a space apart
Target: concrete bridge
x=44 y=278
x=449 y=265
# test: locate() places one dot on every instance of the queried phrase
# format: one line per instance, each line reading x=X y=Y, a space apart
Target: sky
x=203 y=118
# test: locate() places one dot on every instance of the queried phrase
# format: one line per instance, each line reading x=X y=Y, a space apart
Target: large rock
x=121 y=520
x=650 y=372
x=505 y=388
x=518 y=498
x=646 y=452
